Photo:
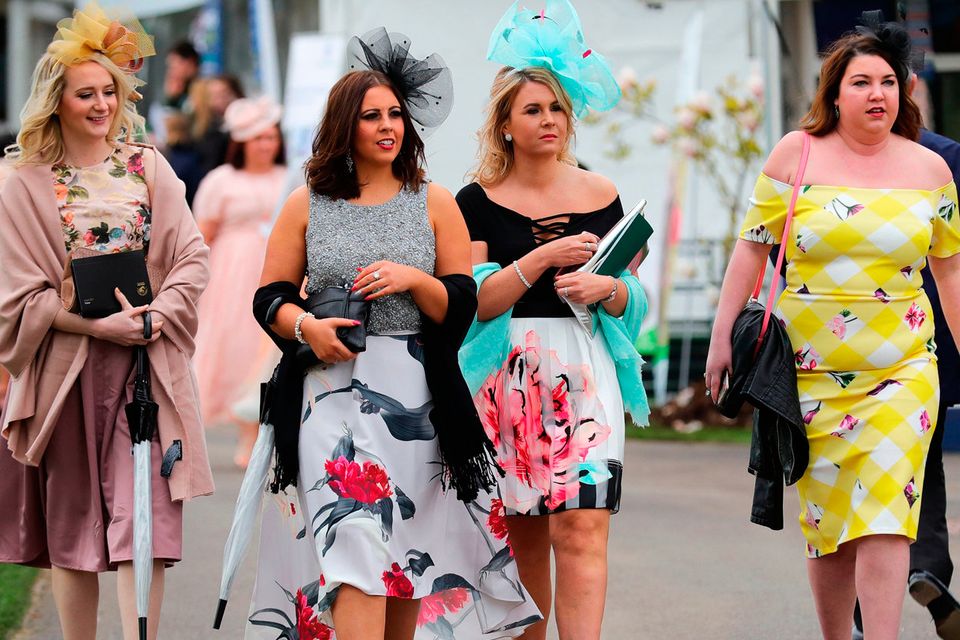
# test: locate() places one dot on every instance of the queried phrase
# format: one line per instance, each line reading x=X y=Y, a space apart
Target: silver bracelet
x=516 y=267
x=613 y=294
x=297 y=333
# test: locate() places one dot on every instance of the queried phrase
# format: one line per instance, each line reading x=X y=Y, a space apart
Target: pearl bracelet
x=297 y=333
x=516 y=267
x=613 y=294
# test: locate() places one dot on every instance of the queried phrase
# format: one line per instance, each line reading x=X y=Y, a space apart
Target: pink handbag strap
x=797 y=187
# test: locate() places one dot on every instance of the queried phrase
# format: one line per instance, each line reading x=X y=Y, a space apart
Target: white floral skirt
x=369 y=512
x=554 y=412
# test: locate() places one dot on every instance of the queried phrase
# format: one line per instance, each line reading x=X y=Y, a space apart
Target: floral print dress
x=862 y=331
x=369 y=510
x=104 y=207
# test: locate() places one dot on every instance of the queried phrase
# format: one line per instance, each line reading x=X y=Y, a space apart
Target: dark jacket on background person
x=948 y=360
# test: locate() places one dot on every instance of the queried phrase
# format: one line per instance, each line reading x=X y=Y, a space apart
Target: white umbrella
x=248 y=508
x=142 y=420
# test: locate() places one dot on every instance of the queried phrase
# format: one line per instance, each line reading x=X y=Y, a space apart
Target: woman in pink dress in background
x=234 y=206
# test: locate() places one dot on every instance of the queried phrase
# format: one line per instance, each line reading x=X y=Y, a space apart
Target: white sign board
x=316 y=61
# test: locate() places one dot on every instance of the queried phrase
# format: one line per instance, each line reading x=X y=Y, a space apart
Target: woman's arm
x=286 y=260
x=590 y=288
x=501 y=290
x=125 y=327
x=946 y=273
x=738 y=283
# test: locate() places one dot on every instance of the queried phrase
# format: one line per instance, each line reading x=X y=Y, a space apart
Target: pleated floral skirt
x=369 y=512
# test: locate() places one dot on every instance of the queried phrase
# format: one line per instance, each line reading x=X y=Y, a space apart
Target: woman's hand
x=569 y=251
x=583 y=288
x=125 y=327
x=321 y=335
x=382 y=278
x=719 y=365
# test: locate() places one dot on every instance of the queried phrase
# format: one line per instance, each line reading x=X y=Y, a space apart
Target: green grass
x=15 y=585
x=738 y=435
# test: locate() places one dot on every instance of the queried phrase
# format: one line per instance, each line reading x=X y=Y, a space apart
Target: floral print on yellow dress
x=104 y=207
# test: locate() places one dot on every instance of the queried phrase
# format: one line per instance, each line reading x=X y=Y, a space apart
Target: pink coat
x=44 y=363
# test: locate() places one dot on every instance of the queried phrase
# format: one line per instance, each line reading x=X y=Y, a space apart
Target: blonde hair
x=495 y=155
x=199 y=100
x=40 y=140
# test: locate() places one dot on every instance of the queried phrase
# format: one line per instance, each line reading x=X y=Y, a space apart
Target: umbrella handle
x=147 y=325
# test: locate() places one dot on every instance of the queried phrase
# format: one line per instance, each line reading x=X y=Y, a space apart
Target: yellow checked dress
x=862 y=333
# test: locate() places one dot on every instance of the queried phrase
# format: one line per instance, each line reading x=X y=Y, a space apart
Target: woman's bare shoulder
x=782 y=162
x=932 y=171
x=598 y=189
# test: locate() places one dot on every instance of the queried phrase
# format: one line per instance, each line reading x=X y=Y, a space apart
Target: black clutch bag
x=96 y=277
x=338 y=302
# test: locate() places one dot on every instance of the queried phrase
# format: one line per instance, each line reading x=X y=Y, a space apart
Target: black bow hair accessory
x=426 y=86
x=894 y=38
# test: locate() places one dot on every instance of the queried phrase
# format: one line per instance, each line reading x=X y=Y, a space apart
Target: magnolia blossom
x=686 y=118
x=660 y=135
x=755 y=85
x=749 y=120
x=701 y=103
x=688 y=147
x=627 y=78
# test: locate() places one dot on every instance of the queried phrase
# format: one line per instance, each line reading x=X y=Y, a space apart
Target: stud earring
x=508 y=137
x=349 y=162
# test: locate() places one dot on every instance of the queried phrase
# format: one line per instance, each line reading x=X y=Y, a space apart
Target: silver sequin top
x=343 y=236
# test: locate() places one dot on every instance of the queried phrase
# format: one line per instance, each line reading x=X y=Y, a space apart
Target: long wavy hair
x=495 y=155
x=822 y=117
x=326 y=170
x=40 y=140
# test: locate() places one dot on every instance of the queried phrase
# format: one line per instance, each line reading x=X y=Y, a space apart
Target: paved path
x=685 y=561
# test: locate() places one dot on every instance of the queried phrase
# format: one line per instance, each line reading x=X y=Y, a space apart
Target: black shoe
x=925 y=589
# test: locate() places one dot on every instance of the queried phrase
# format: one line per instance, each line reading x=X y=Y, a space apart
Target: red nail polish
x=356 y=323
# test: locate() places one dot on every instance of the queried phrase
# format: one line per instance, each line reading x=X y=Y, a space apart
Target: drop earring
x=508 y=137
x=348 y=160
x=836 y=111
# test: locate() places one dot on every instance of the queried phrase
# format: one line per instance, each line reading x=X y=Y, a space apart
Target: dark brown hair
x=235 y=152
x=822 y=118
x=326 y=170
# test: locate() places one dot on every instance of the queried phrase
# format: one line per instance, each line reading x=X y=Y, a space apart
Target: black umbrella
x=142 y=419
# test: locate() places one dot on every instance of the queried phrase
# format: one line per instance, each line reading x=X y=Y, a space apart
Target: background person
x=234 y=206
x=858 y=319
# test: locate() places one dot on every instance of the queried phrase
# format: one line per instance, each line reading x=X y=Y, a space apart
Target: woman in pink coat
x=66 y=474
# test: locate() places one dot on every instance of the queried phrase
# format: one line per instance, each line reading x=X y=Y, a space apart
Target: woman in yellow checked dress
x=874 y=209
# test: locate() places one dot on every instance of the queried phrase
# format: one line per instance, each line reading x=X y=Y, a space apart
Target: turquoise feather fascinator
x=553 y=39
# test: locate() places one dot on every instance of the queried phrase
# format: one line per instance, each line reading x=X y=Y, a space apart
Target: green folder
x=621 y=244
x=615 y=251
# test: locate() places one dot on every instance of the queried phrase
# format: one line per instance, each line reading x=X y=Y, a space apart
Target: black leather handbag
x=338 y=302
x=95 y=277
x=759 y=370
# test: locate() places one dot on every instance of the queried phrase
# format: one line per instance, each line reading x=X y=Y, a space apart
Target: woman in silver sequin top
x=382 y=534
